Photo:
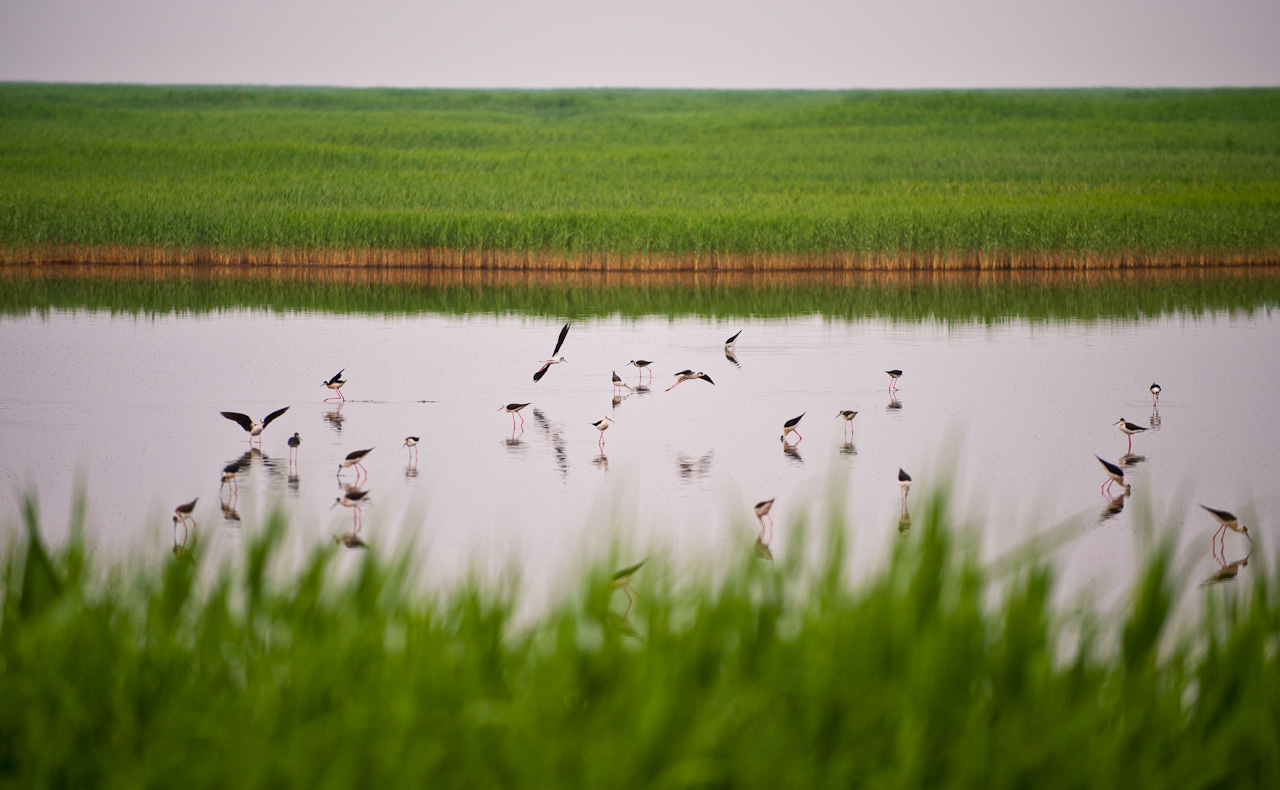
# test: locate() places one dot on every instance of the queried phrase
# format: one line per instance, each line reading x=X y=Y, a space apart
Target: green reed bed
x=1138 y=172
x=340 y=673
x=941 y=299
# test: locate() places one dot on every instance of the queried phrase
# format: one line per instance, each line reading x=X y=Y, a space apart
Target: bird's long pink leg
x=1131 y=443
x=673 y=386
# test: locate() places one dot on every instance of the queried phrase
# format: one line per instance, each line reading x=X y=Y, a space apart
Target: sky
x=815 y=44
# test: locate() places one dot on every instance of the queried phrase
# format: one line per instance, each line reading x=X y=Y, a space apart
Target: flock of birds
x=354 y=496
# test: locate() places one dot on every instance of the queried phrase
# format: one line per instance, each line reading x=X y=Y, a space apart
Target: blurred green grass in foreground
x=936 y=672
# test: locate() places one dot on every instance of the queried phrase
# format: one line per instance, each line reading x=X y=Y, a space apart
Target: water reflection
x=351 y=540
x=1114 y=507
x=1129 y=460
x=229 y=512
x=335 y=418
x=411 y=471
x=791 y=451
x=763 y=551
x=1154 y=422
x=556 y=437
x=848 y=449
x=182 y=550
x=602 y=461
x=895 y=405
x=621 y=580
x=689 y=468
x=292 y=482
x=904 y=517
x=1227 y=571
x=732 y=357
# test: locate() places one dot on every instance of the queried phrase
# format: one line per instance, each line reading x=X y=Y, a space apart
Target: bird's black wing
x=903 y=477
x=563 y=334
x=1222 y=514
x=1112 y=468
x=245 y=420
x=734 y=338
x=187 y=507
x=357 y=454
x=794 y=421
x=232 y=467
x=267 y=420
x=707 y=379
x=336 y=376
x=684 y=373
x=542 y=371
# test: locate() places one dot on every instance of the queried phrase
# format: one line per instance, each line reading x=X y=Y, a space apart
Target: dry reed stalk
x=603 y=261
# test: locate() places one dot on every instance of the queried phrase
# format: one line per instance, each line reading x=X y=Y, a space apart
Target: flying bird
x=547 y=363
x=689 y=375
x=254 y=428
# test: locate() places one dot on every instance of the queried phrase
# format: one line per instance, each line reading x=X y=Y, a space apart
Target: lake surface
x=1005 y=406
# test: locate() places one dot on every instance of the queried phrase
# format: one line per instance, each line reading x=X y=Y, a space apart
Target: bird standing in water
x=335 y=384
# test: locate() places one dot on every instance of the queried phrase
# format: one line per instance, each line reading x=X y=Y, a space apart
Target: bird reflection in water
x=641 y=389
x=690 y=469
x=763 y=551
x=351 y=540
x=229 y=513
x=335 y=418
x=1154 y=422
x=848 y=449
x=292 y=482
x=1129 y=460
x=182 y=549
x=792 y=451
x=732 y=357
x=411 y=470
x=602 y=461
x=617 y=401
x=621 y=580
x=894 y=403
x=556 y=438
x=1227 y=571
x=1113 y=507
x=904 y=517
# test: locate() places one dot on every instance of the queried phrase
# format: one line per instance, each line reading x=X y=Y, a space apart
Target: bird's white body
x=789 y=427
x=602 y=426
x=1128 y=427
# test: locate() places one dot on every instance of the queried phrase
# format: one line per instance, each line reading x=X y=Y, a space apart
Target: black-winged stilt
x=229 y=473
x=352 y=498
x=728 y=344
x=1155 y=393
x=547 y=363
x=1114 y=475
x=335 y=384
x=894 y=375
x=254 y=428
x=1226 y=521
x=621 y=580
x=642 y=365
x=353 y=459
x=789 y=427
x=295 y=442
x=183 y=513
x=514 y=410
x=847 y=415
x=904 y=480
x=762 y=509
x=689 y=375
x=602 y=426
x=618 y=382
x=412 y=443
x=1129 y=429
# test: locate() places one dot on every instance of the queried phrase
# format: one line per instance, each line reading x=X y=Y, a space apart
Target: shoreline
x=612 y=262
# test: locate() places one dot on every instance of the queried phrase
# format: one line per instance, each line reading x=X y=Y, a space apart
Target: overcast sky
x=646 y=43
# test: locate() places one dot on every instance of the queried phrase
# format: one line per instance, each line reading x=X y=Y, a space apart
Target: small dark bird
x=1155 y=393
x=894 y=375
x=335 y=384
x=411 y=442
x=229 y=473
x=183 y=513
x=618 y=382
x=689 y=375
x=762 y=509
x=847 y=415
x=254 y=428
x=1114 y=475
x=904 y=480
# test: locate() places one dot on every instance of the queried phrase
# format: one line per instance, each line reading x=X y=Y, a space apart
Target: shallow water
x=1009 y=414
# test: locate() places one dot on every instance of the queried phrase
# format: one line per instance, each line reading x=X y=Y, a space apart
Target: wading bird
x=295 y=441
x=642 y=365
x=254 y=428
x=689 y=375
x=894 y=375
x=728 y=344
x=1155 y=393
x=904 y=480
x=602 y=426
x=789 y=427
x=848 y=416
x=412 y=443
x=762 y=509
x=229 y=473
x=1129 y=429
x=183 y=513
x=1114 y=475
x=621 y=580
x=353 y=459
x=514 y=410
x=352 y=498
x=1226 y=521
x=618 y=382
x=335 y=384
x=547 y=363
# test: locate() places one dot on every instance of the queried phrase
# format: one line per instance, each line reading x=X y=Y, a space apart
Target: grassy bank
x=994 y=297
x=639 y=178
x=935 y=673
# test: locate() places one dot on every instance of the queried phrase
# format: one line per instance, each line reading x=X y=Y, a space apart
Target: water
x=1009 y=414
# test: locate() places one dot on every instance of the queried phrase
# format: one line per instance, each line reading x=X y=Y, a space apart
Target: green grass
x=936 y=672
x=641 y=171
x=944 y=298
